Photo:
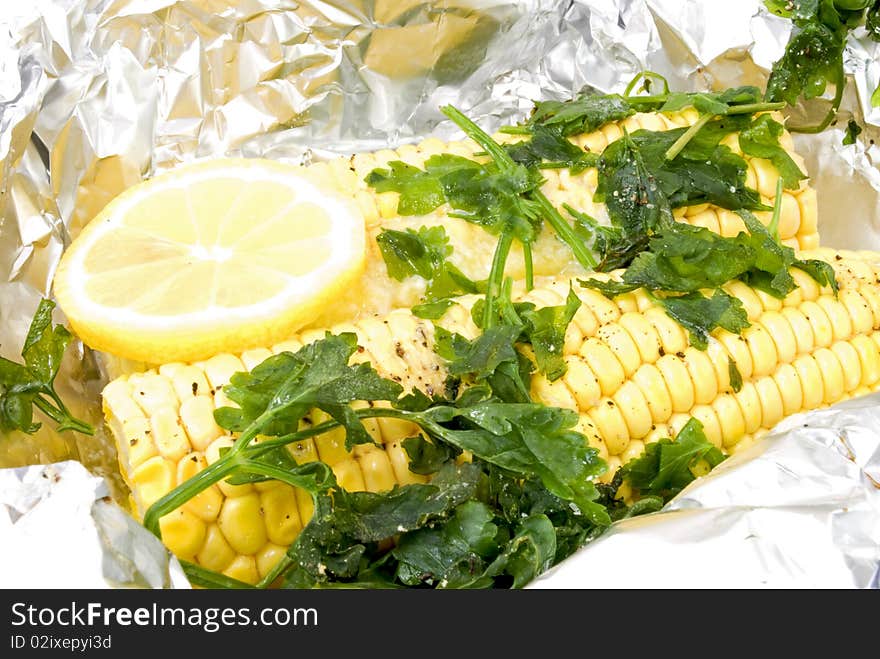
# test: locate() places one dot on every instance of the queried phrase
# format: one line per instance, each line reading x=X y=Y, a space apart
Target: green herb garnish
x=424 y=253
x=667 y=466
x=813 y=58
x=28 y=385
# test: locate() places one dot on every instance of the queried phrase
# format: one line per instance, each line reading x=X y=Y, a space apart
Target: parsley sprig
x=813 y=58
x=31 y=384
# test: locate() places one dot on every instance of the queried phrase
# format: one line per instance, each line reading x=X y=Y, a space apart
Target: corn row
x=632 y=377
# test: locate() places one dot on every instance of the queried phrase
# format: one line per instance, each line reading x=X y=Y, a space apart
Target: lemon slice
x=219 y=256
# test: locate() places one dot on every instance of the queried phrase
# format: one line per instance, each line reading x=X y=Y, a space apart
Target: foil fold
x=61 y=529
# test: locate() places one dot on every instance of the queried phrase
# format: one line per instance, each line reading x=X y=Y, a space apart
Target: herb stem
x=205 y=578
x=496 y=277
x=61 y=415
x=753 y=108
x=565 y=231
x=687 y=136
x=280 y=568
x=187 y=490
x=529 y=265
x=773 y=227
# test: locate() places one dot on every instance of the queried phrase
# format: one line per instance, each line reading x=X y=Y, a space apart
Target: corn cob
x=473 y=246
x=632 y=377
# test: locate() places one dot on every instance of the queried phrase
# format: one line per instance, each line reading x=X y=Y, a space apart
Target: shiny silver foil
x=97 y=95
x=61 y=529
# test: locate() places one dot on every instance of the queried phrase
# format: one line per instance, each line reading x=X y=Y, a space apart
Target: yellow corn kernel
x=823 y=334
x=348 y=475
x=331 y=446
x=604 y=364
x=622 y=345
x=400 y=464
x=241 y=521
x=183 y=533
x=643 y=335
x=672 y=336
x=206 y=504
x=603 y=309
x=376 y=468
x=627 y=303
x=871 y=297
x=197 y=417
x=810 y=378
x=152 y=392
x=268 y=557
x=832 y=375
x=729 y=223
x=658 y=432
x=738 y=350
x=858 y=310
x=702 y=375
x=730 y=418
x=678 y=382
x=281 y=515
x=841 y=323
x=118 y=401
x=169 y=436
x=585 y=320
x=186 y=380
x=556 y=394
x=303 y=451
x=772 y=406
x=749 y=298
x=151 y=480
x=650 y=381
x=137 y=434
x=586 y=427
x=750 y=406
x=215 y=554
x=220 y=369
x=243 y=568
x=762 y=350
x=582 y=382
x=788 y=383
x=304 y=504
x=800 y=329
x=707 y=219
x=782 y=335
x=869 y=361
x=850 y=365
x=634 y=408
x=790 y=217
x=609 y=421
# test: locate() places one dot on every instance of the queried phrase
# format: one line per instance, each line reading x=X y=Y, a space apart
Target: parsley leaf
x=699 y=314
x=584 y=114
x=277 y=394
x=761 y=139
x=853 y=130
x=549 y=148
x=424 y=253
x=420 y=192
x=667 y=466
x=28 y=385
x=545 y=331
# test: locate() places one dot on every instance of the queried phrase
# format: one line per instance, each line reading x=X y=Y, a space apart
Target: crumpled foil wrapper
x=97 y=95
x=61 y=529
